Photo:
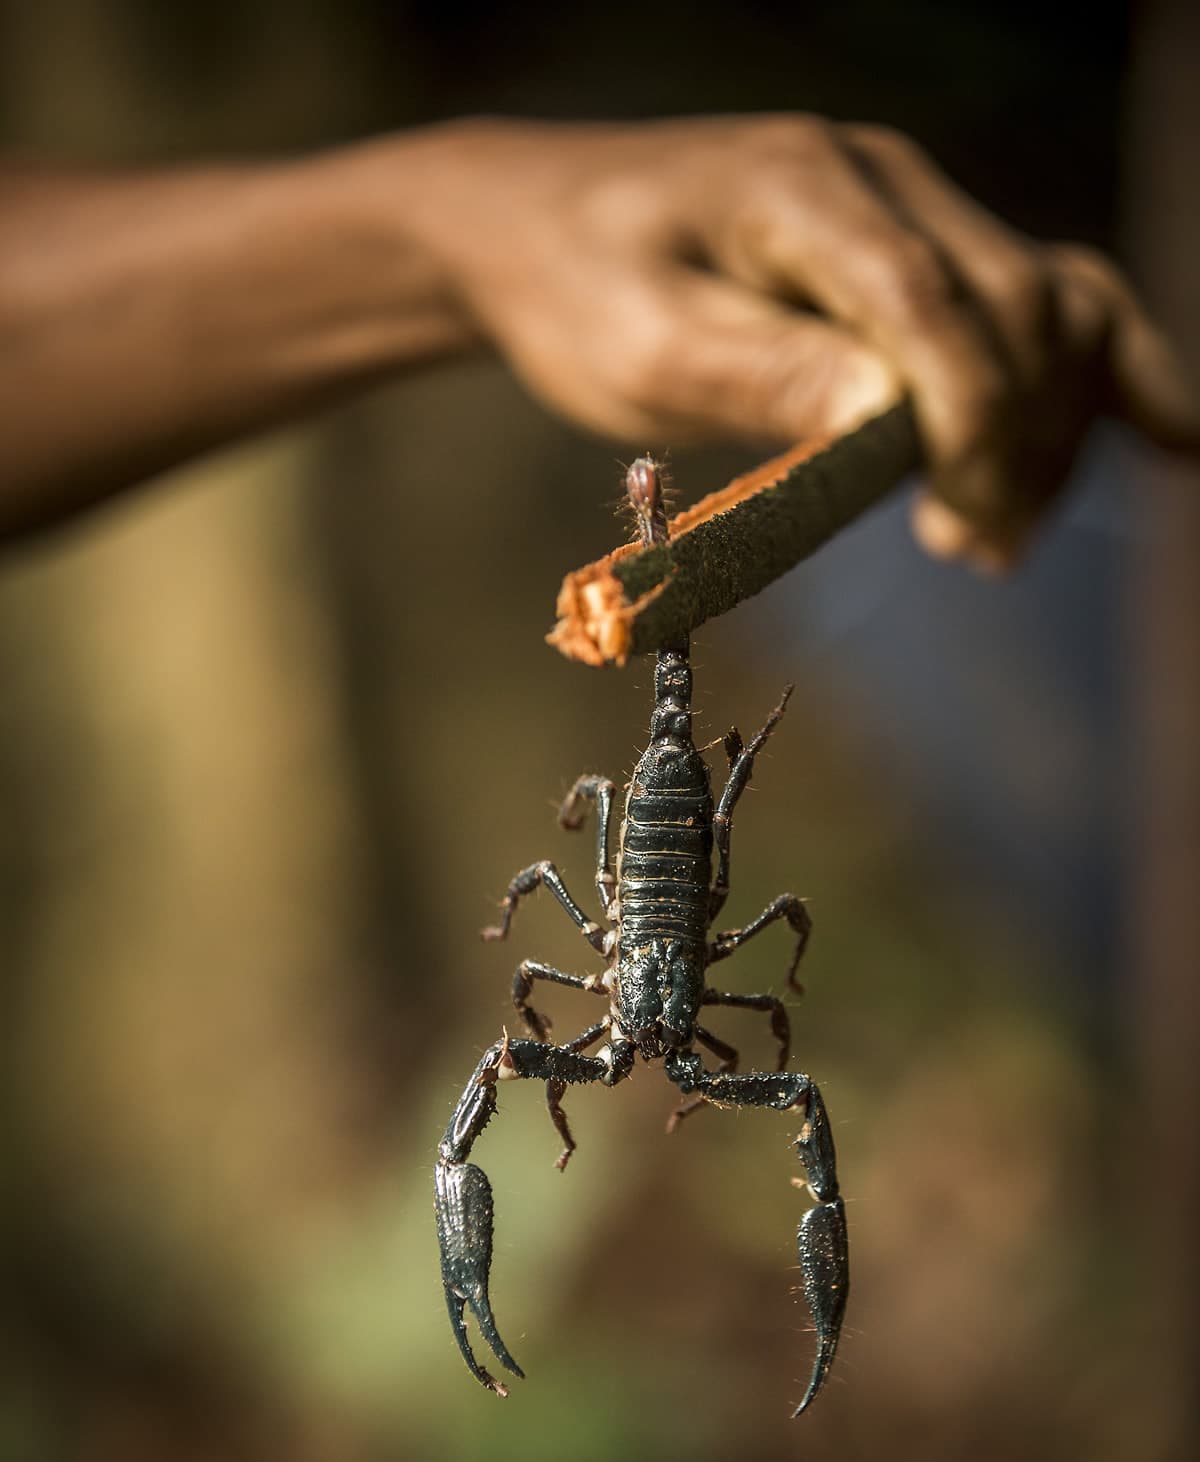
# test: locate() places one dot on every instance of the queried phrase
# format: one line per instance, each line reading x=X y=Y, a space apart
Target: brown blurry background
x=263 y=775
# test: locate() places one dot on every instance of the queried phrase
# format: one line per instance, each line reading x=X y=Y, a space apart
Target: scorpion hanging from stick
x=659 y=907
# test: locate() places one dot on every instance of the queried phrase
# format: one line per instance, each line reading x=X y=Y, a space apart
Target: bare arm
x=764 y=277
x=148 y=316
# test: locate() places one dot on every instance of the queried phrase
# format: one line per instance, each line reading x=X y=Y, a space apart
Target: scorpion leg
x=786 y=906
x=463 y=1195
x=555 y=1090
x=780 y=1028
x=524 y=883
x=821 y=1236
x=741 y=764
x=570 y=815
x=728 y=1056
x=529 y=970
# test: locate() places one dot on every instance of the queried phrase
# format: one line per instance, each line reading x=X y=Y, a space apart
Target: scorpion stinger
x=659 y=906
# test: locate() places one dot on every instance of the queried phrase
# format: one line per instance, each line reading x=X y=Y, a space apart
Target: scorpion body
x=659 y=907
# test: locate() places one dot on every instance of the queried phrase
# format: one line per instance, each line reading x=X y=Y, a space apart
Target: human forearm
x=147 y=316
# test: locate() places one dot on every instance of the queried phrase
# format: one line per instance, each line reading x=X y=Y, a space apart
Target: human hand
x=785 y=277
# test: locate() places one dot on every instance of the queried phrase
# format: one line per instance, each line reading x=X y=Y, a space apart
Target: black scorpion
x=659 y=907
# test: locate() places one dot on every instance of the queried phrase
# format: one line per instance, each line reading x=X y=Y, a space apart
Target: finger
x=1008 y=273
x=1080 y=342
x=939 y=530
x=727 y=361
x=1041 y=298
x=1148 y=385
x=945 y=534
x=1058 y=390
x=813 y=226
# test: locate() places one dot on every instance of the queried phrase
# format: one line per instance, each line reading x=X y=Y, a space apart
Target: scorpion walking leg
x=529 y=970
x=741 y=764
x=780 y=1028
x=524 y=883
x=463 y=1196
x=821 y=1236
x=570 y=815
x=555 y=1090
x=786 y=906
x=728 y=1056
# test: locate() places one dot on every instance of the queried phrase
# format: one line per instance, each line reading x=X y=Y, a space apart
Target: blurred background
x=263 y=778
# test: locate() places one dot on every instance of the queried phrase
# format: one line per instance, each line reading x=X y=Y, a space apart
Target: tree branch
x=732 y=543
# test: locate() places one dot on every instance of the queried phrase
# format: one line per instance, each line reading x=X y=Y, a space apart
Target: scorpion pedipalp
x=825 y=1279
x=464 y=1213
x=821 y=1239
x=463 y=1195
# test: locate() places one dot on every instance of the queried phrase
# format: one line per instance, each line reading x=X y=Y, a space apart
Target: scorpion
x=659 y=907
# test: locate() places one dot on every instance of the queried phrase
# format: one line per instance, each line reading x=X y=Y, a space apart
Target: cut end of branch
x=595 y=619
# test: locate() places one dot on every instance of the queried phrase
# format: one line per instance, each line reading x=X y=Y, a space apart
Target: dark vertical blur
x=254 y=812
x=1163 y=225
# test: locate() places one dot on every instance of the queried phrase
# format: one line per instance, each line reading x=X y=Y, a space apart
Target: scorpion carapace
x=658 y=910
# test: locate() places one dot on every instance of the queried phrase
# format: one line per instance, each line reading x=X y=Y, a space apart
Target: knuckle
x=623 y=204
x=907 y=276
x=796 y=133
x=780 y=147
x=814 y=136
x=1089 y=292
x=1082 y=262
x=1084 y=318
x=884 y=144
x=1023 y=290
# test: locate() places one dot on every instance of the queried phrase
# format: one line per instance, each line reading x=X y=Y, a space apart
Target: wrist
x=461 y=188
x=371 y=198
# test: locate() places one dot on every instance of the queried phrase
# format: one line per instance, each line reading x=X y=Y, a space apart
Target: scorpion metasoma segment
x=658 y=910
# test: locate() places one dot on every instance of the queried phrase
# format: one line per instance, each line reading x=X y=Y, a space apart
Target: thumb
x=750 y=367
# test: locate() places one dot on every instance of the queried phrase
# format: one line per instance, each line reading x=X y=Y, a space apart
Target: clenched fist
x=783 y=277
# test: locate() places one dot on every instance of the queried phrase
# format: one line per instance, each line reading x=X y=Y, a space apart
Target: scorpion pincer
x=658 y=910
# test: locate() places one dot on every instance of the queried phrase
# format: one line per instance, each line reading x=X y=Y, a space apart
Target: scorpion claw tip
x=826 y=1345
x=464 y=1219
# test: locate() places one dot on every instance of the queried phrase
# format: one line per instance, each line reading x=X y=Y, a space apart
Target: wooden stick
x=732 y=543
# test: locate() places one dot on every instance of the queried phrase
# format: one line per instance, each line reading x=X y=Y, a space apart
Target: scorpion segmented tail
x=665 y=860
